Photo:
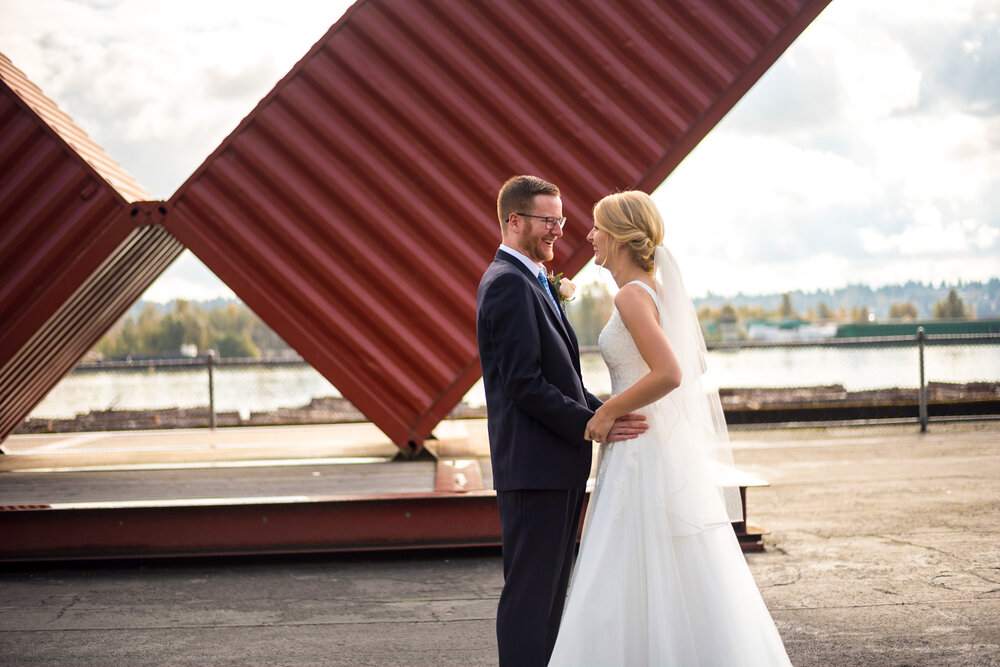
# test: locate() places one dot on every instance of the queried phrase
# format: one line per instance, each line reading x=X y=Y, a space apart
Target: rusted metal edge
x=334 y=524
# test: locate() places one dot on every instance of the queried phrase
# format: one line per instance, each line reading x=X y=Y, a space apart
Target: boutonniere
x=563 y=287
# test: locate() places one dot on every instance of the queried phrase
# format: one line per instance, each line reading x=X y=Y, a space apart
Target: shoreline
x=740 y=406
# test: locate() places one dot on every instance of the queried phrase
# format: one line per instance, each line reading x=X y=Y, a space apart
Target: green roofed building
x=866 y=330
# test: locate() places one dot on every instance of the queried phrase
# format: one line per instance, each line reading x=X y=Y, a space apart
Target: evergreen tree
x=951 y=308
x=237 y=344
x=903 y=311
x=727 y=313
x=860 y=315
x=786 y=310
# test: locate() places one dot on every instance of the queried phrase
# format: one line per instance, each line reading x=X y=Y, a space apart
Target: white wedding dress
x=660 y=578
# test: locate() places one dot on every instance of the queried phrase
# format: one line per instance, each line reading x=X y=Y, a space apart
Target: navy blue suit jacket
x=536 y=403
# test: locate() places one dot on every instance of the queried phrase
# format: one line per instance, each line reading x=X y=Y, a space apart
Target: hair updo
x=631 y=217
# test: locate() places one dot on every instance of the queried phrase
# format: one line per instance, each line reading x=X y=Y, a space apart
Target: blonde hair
x=631 y=217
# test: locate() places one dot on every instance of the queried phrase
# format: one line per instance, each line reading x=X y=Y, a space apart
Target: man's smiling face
x=534 y=240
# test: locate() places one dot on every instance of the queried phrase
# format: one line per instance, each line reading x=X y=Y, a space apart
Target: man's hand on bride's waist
x=626 y=427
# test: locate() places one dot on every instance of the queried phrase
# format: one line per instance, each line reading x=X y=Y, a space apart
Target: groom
x=538 y=409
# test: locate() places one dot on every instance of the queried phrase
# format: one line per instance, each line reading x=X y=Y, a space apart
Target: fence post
x=210 y=362
x=923 y=384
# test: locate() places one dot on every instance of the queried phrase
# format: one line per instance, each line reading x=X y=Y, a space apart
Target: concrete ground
x=884 y=550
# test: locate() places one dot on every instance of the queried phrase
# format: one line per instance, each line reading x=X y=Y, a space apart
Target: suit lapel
x=558 y=314
x=563 y=321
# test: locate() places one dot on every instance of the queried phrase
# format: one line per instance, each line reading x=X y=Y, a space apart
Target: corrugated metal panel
x=74 y=252
x=56 y=348
x=63 y=126
x=354 y=208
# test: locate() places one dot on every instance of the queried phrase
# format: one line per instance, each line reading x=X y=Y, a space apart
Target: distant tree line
x=981 y=299
x=232 y=330
x=592 y=307
x=821 y=314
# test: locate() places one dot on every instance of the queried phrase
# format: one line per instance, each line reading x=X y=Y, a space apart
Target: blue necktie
x=545 y=286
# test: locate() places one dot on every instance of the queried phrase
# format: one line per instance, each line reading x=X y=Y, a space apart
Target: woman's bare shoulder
x=634 y=301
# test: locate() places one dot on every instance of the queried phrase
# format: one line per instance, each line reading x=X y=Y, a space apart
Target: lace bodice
x=622 y=357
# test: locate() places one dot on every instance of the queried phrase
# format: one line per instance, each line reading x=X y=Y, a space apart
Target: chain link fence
x=189 y=393
x=852 y=380
x=860 y=380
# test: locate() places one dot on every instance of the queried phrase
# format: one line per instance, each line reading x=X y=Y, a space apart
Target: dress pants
x=539 y=529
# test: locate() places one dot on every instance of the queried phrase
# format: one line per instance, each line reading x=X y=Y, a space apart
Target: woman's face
x=602 y=242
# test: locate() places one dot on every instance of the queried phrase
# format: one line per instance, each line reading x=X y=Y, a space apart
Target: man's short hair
x=517 y=195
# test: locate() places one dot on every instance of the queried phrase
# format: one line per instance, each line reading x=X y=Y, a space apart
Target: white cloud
x=928 y=235
x=167 y=289
x=742 y=208
x=159 y=85
x=935 y=156
x=868 y=153
x=876 y=74
x=187 y=278
x=728 y=171
x=844 y=150
x=885 y=270
x=985 y=237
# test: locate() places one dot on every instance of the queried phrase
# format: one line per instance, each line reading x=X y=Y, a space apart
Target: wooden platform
x=247 y=491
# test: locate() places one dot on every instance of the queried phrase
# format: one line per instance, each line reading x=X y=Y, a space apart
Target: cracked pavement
x=884 y=545
x=884 y=549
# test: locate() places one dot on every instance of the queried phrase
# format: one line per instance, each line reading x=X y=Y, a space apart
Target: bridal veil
x=701 y=459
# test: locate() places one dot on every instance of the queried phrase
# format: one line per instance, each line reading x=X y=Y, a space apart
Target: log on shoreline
x=740 y=405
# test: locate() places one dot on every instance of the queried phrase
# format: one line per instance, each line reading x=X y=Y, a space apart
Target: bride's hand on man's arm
x=602 y=428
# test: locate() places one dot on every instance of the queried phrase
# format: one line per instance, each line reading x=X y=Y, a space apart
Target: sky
x=869 y=153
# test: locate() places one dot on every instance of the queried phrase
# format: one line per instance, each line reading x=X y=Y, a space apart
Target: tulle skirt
x=649 y=589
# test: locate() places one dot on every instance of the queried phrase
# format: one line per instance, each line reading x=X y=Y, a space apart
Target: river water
x=246 y=389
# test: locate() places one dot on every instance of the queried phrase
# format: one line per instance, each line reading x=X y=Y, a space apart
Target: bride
x=660 y=578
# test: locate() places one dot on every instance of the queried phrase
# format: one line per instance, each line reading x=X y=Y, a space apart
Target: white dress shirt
x=533 y=267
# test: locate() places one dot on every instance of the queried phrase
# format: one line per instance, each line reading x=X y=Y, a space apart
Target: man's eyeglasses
x=549 y=222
